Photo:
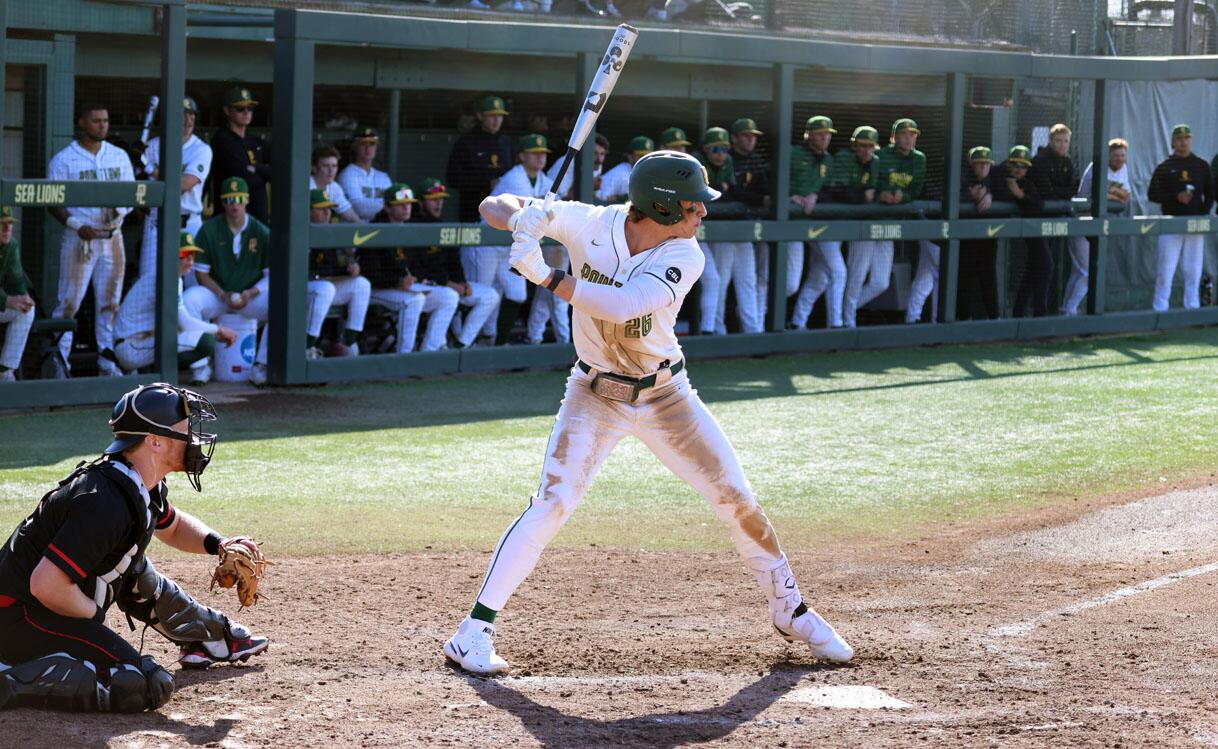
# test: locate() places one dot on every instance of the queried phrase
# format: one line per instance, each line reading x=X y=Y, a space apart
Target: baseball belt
x=622 y=388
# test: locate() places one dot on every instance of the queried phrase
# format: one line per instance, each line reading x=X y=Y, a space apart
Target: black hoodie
x=1176 y=175
x=1053 y=175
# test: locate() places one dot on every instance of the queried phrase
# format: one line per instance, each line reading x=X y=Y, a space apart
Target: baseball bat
x=598 y=93
x=152 y=105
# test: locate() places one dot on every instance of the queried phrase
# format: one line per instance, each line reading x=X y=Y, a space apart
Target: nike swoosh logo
x=992 y=230
x=459 y=650
x=359 y=239
x=814 y=233
x=596 y=243
x=1145 y=228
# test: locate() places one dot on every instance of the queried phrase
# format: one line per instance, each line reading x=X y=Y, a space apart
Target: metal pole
x=949 y=255
x=393 y=135
x=173 y=91
x=784 y=106
x=3 y=69
x=1182 y=28
x=1097 y=274
x=292 y=132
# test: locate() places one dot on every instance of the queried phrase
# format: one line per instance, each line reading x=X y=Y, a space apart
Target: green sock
x=351 y=336
x=310 y=341
x=482 y=613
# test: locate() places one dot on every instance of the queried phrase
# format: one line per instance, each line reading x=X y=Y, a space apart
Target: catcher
x=82 y=549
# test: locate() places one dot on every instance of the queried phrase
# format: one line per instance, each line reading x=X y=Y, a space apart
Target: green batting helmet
x=662 y=179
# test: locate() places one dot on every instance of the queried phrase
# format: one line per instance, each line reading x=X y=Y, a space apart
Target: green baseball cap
x=1181 y=129
x=745 y=125
x=434 y=188
x=239 y=96
x=819 y=124
x=492 y=105
x=981 y=153
x=905 y=124
x=186 y=244
x=1021 y=155
x=716 y=136
x=319 y=199
x=399 y=193
x=235 y=188
x=534 y=143
x=674 y=136
x=865 y=134
x=366 y=135
x=189 y=105
x=6 y=216
x=641 y=145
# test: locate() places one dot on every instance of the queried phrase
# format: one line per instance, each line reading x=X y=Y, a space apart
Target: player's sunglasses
x=234 y=200
x=719 y=149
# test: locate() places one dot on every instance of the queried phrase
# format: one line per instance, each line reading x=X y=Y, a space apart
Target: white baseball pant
x=737 y=265
x=355 y=293
x=1187 y=251
x=795 y=269
x=675 y=425
x=483 y=302
x=871 y=262
x=546 y=306
x=491 y=266
x=925 y=283
x=140 y=350
x=148 y=246
x=103 y=262
x=708 y=295
x=16 y=333
x=320 y=295
x=826 y=273
x=1076 y=284
x=205 y=305
x=440 y=302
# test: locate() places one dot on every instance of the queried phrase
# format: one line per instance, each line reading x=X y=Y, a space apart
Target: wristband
x=555 y=279
x=211 y=544
x=73 y=223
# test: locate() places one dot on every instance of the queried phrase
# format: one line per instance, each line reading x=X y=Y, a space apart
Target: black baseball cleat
x=231 y=650
x=6 y=691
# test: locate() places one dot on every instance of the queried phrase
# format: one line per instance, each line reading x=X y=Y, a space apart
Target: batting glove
x=527 y=259
x=531 y=220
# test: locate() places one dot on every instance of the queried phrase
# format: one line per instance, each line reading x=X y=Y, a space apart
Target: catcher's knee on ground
x=62 y=682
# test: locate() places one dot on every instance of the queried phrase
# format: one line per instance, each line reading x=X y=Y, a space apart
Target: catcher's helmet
x=154 y=409
x=662 y=179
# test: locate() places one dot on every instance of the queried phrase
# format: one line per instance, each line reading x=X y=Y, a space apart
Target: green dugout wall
x=306 y=49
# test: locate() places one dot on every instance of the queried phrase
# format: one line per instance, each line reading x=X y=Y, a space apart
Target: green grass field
x=841 y=445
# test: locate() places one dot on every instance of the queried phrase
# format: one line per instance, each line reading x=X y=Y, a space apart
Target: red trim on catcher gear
x=6 y=601
x=26 y=612
x=168 y=519
x=65 y=558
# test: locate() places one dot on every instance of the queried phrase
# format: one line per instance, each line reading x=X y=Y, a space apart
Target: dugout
x=415 y=78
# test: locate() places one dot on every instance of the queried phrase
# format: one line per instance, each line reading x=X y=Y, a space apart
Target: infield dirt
x=620 y=648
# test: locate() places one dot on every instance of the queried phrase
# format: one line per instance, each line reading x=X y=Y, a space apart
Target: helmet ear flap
x=666 y=209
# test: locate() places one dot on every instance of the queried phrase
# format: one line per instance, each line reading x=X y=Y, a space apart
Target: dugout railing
x=39 y=194
x=299 y=34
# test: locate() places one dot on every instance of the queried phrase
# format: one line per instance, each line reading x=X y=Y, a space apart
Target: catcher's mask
x=154 y=409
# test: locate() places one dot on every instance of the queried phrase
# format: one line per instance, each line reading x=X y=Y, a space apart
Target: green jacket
x=233 y=272
x=851 y=178
x=719 y=177
x=811 y=173
x=904 y=173
x=12 y=276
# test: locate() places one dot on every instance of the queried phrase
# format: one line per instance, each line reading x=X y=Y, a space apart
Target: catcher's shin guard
x=159 y=602
x=57 y=681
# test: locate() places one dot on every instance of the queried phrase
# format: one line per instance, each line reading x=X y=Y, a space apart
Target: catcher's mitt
x=241 y=564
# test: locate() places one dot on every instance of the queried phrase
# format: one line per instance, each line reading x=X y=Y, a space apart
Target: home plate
x=847 y=697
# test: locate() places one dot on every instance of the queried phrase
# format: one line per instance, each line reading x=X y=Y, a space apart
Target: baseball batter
x=196 y=163
x=92 y=244
x=632 y=266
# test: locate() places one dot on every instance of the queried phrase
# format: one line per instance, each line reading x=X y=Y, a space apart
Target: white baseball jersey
x=335 y=192
x=365 y=190
x=111 y=164
x=1120 y=176
x=652 y=283
x=516 y=182
x=569 y=178
x=615 y=183
x=196 y=161
x=138 y=312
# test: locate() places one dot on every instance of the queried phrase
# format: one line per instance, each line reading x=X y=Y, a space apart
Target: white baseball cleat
x=810 y=627
x=472 y=648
